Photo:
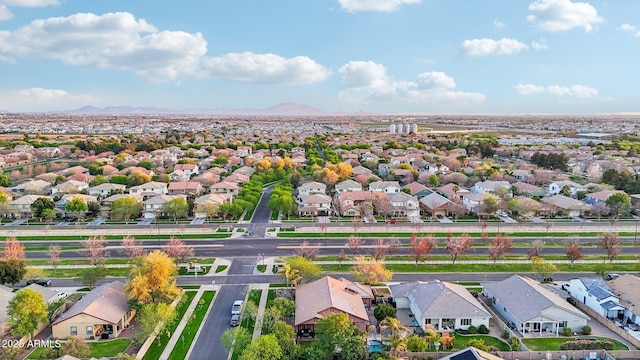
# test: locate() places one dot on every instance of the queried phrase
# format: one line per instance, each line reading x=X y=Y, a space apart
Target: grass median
x=187 y=337
x=156 y=350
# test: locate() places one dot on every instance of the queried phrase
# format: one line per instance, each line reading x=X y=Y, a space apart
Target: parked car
x=565 y=286
x=235 y=320
x=547 y=280
x=237 y=307
x=571 y=300
x=41 y=282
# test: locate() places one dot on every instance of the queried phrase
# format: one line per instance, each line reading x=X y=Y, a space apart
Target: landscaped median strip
x=155 y=350
x=183 y=345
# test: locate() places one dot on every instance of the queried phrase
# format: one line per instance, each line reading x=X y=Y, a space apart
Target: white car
x=62 y=295
x=237 y=307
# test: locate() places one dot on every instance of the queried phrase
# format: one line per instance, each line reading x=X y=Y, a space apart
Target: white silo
x=392 y=128
x=399 y=128
x=414 y=128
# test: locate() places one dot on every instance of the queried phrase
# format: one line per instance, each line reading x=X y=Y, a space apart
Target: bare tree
x=459 y=246
x=178 y=250
x=574 y=251
x=354 y=243
x=341 y=257
x=610 y=243
x=382 y=248
x=54 y=256
x=307 y=251
x=535 y=249
x=131 y=248
x=95 y=249
x=500 y=245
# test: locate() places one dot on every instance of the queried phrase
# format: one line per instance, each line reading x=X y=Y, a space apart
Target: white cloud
x=633 y=30
x=578 y=91
x=5 y=13
x=40 y=99
x=485 y=47
x=539 y=45
x=265 y=69
x=528 y=89
x=368 y=82
x=120 y=41
x=373 y=5
x=562 y=15
x=498 y=24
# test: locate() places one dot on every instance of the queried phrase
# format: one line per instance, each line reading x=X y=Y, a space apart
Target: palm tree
x=292 y=276
x=396 y=329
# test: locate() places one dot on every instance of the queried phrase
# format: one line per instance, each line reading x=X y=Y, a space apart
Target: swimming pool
x=374 y=345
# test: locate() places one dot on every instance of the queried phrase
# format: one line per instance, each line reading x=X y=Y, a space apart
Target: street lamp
x=262 y=255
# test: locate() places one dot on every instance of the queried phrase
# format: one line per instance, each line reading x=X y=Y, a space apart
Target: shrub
x=587 y=345
x=505 y=334
x=482 y=329
x=472 y=329
x=514 y=342
x=566 y=331
x=586 y=330
x=478 y=344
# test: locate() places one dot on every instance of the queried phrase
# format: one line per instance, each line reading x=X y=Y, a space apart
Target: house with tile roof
x=627 y=289
x=102 y=313
x=530 y=307
x=327 y=296
x=444 y=305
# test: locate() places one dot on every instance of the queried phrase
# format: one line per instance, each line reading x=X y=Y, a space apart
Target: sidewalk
x=257 y=329
x=268 y=261
x=175 y=337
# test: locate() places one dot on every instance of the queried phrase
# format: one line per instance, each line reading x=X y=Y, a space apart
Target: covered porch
x=539 y=328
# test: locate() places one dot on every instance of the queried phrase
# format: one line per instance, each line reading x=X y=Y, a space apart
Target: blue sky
x=389 y=56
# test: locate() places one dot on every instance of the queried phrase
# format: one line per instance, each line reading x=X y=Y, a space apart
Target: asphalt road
x=208 y=345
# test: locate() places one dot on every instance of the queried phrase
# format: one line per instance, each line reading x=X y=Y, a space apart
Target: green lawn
x=462 y=268
x=262 y=268
x=156 y=350
x=221 y=268
x=461 y=341
x=179 y=352
x=74 y=273
x=553 y=344
x=100 y=349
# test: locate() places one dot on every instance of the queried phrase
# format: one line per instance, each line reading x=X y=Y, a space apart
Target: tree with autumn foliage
x=370 y=271
x=307 y=251
x=573 y=251
x=382 y=248
x=421 y=248
x=354 y=243
x=152 y=279
x=13 y=264
x=131 y=248
x=543 y=268
x=459 y=246
x=178 y=250
x=95 y=249
x=610 y=243
x=500 y=245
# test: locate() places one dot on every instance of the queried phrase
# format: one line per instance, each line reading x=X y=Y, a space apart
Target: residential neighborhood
x=186 y=196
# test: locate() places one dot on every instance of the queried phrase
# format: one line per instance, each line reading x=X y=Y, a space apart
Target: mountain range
x=285 y=109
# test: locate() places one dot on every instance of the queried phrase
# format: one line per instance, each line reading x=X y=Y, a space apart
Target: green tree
x=90 y=276
x=40 y=205
x=306 y=268
x=332 y=330
x=353 y=348
x=285 y=306
x=542 y=268
x=265 y=347
x=93 y=208
x=125 y=209
x=26 y=311
x=78 y=207
x=153 y=279
x=478 y=344
x=154 y=319
x=48 y=214
x=99 y=179
x=285 y=334
x=433 y=180
x=75 y=346
x=383 y=311
x=235 y=339
x=619 y=205
x=4 y=181
x=416 y=343
x=176 y=208
x=119 y=179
